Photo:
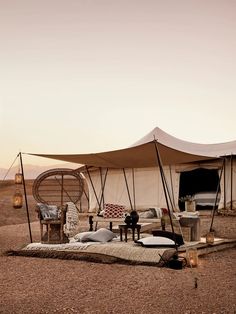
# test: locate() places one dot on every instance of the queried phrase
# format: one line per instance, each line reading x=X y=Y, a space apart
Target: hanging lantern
x=192 y=257
x=210 y=238
x=18 y=199
x=18 y=178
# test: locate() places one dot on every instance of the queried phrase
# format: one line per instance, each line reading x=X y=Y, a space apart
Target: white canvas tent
x=131 y=176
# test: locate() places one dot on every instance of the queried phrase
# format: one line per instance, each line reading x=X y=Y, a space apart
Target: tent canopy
x=143 y=153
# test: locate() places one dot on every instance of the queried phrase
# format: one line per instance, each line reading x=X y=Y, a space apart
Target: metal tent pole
x=134 y=196
x=127 y=187
x=103 y=184
x=231 y=183
x=165 y=192
x=26 y=202
x=217 y=193
x=224 y=183
x=94 y=191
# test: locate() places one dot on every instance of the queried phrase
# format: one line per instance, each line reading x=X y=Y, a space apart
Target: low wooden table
x=125 y=227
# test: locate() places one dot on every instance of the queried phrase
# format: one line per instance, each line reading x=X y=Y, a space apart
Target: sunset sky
x=81 y=76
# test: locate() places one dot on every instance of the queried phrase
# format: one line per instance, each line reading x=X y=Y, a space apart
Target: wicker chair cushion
x=48 y=212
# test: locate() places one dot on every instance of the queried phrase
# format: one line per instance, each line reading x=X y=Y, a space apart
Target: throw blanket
x=71 y=220
x=151 y=213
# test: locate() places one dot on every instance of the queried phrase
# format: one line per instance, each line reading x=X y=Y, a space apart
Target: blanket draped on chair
x=71 y=220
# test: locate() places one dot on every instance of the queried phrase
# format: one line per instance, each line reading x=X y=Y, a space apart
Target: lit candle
x=18 y=178
x=193 y=257
x=210 y=237
x=17 y=199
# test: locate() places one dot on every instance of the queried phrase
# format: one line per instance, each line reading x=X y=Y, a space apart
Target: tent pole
x=64 y=191
x=127 y=187
x=133 y=189
x=94 y=191
x=172 y=189
x=231 y=177
x=167 y=189
x=62 y=188
x=166 y=184
x=217 y=193
x=103 y=183
x=165 y=192
x=87 y=197
x=26 y=202
x=84 y=192
x=224 y=183
x=102 y=196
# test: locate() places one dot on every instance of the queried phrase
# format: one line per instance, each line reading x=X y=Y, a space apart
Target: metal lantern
x=210 y=237
x=193 y=257
x=18 y=178
x=18 y=199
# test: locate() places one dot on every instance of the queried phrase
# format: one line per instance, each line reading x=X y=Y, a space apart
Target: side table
x=125 y=227
x=194 y=224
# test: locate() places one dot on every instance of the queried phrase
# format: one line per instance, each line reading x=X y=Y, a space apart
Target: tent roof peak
x=211 y=150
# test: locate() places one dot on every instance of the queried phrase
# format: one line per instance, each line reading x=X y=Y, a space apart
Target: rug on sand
x=111 y=252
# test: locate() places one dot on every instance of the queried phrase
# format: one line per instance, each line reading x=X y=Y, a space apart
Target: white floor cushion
x=156 y=241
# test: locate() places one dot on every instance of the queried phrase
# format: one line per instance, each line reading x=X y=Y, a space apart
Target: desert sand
x=37 y=285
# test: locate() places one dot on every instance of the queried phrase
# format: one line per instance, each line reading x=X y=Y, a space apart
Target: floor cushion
x=156 y=241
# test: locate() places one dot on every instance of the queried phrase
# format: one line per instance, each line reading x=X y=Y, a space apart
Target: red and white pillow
x=113 y=211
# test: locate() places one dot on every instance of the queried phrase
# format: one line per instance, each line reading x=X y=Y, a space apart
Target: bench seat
x=93 y=218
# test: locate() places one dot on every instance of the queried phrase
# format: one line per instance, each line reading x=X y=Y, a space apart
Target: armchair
x=54 y=218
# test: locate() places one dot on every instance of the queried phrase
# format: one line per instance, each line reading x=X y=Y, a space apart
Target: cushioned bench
x=93 y=218
x=115 y=213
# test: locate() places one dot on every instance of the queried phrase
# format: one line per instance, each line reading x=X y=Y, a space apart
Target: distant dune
x=32 y=171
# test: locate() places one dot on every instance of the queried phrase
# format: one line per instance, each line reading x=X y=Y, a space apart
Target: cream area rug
x=110 y=252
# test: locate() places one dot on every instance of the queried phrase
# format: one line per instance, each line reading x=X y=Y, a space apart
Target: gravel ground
x=37 y=285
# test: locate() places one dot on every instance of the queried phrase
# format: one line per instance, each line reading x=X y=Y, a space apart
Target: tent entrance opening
x=201 y=184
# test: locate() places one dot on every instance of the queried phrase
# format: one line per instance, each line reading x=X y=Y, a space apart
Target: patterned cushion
x=48 y=212
x=113 y=211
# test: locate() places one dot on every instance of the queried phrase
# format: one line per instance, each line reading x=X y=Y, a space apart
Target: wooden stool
x=125 y=227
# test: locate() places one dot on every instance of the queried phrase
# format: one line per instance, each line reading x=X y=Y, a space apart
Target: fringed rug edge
x=86 y=256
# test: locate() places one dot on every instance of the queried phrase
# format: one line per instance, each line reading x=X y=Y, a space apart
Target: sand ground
x=37 y=285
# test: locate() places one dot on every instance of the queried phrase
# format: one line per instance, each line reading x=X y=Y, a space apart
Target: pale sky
x=83 y=76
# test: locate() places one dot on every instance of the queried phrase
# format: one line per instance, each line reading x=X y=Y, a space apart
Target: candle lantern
x=210 y=237
x=18 y=199
x=192 y=257
x=18 y=178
